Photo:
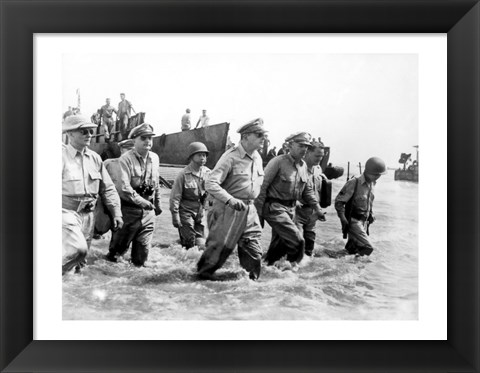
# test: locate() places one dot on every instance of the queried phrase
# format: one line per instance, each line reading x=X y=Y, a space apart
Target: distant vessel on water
x=409 y=171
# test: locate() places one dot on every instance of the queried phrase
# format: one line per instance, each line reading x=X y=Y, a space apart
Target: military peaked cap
x=254 y=126
x=143 y=129
x=301 y=138
x=126 y=144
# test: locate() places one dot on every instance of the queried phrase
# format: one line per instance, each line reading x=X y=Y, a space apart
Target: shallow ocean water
x=383 y=286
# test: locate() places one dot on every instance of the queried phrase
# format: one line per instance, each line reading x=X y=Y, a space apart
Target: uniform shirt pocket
x=239 y=170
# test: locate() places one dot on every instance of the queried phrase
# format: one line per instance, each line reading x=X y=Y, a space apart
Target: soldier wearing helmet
x=286 y=182
x=84 y=179
x=139 y=190
x=354 y=207
x=234 y=184
x=188 y=195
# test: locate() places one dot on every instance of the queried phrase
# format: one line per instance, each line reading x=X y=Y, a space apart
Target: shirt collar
x=364 y=181
x=72 y=152
x=289 y=156
x=243 y=152
x=137 y=154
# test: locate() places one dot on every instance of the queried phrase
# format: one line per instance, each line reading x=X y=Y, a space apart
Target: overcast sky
x=361 y=105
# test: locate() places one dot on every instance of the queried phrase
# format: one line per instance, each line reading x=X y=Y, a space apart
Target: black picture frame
x=460 y=19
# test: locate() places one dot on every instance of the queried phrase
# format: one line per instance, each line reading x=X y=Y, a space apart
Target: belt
x=358 y=216
x=285 y=202
x=79 y=204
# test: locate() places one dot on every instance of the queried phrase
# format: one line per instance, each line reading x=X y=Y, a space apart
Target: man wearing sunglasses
x=139 y=190
x=84 y=178
x=235 y=183
x=286 y=181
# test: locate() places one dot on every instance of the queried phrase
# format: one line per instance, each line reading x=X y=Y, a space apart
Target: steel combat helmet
x=375 y=166
x=196 y=147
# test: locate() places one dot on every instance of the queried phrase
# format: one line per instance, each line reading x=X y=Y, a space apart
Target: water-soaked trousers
x=138 y=226
x=305 y=221
x=227 y=228
x=77 y=232
x=358 y=241
x=192 y=227
x=287 y=239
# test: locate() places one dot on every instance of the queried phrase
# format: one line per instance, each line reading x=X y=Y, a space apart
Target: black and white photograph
x=242 y=178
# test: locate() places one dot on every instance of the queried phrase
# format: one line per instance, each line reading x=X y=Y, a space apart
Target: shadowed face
x=298 y=151
x=143 y=144
x=81 y=138
x=199 y=159
x=255 y=140
x=371 y=177
x=314 y=156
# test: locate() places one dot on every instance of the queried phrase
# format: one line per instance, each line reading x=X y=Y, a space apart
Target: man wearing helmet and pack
x=354 y=207
x=234 y=184
x=139 y=190
x=188 y=195
x=84 y=178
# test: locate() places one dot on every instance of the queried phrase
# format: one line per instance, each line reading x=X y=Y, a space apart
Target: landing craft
x=410 y=172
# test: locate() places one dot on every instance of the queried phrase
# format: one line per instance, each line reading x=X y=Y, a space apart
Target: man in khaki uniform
x=188 y=195
x=84 y=178
x=286 y=181
x=354 y=207
x=235 y=183
x=305 y=218
x=139 y=190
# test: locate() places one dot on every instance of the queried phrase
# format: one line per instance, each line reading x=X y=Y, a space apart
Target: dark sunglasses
x=86 y=131
x=259 y=135
x=143 y=138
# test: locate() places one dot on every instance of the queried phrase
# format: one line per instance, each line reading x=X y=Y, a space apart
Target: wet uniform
x=240 y=176
x=187 y=205
x=362 y=193
x=305 y=219
x=285 y=183
x=84 y=178
x=139 y=223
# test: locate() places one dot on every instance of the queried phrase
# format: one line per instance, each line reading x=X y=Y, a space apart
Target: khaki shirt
x=84 y=175
x=362 y=200
x=107 y=111
x=315 y=176
x=124 y=107
x=133 y=172
x=188 y=187
x=286 y=180
x=236 y=175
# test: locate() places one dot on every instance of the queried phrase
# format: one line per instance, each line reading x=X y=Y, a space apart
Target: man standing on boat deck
x=203 y=120
x=188 y=196
x=305 y=219
x=186 y=125
x=139 y=191
x=354 y=207
x=106 y=111
x=235 y=183
x=123 y=115
x=84 y=178
x=286 y=181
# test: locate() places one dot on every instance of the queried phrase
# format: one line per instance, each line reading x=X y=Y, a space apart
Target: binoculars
x=145 y=189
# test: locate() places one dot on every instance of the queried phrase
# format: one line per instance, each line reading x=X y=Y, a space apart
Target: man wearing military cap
x=234 y=184
x=286 y=181
x=188 y=197
x=139 y=191
x=84 y=178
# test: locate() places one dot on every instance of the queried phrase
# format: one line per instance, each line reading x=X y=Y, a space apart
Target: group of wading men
x=238 y=196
